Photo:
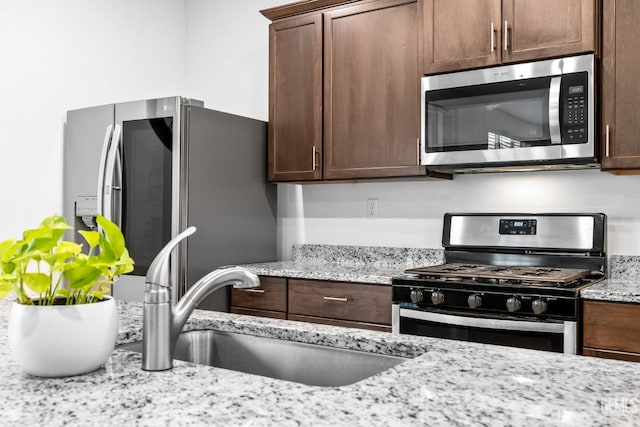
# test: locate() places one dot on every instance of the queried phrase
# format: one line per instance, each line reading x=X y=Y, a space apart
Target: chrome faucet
x=162 y=324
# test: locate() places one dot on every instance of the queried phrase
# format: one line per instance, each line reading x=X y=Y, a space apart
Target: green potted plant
x=62 y=322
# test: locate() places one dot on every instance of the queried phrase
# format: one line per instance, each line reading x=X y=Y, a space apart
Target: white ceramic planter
x=59 y=341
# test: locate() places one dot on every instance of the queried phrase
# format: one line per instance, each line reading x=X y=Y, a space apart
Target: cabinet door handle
x=314 y=153
x=606 y=140
x=255 y=291
x=418 y=150
x=506 y=36
x=493 y=37
x=335 y=299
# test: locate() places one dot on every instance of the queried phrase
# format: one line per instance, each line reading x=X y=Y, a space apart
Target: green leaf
x=40 y=245
x=113 y=235
x=5 y=289
x=91 y=237
x=80 y=276
x=37 y=282
x=11 y=251
x=55 y=222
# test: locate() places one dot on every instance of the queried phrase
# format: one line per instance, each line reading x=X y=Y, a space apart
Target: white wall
x=66 y=54
x=228 y=55
x=410 y=213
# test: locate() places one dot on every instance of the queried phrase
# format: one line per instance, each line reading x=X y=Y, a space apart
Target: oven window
x=533 y=340
x=504 y=115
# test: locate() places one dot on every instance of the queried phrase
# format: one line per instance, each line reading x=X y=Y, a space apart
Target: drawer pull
x=335 y=299
x=255 y=291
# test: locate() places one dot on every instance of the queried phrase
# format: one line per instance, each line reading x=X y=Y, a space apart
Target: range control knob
x=474 y=301
x=416 y=296
x=437 y=297
x=539 y=306
x=513 y=304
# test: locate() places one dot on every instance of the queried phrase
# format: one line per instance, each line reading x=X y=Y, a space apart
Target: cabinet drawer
x=341 y=300
x=270 y=295
x=611 y=326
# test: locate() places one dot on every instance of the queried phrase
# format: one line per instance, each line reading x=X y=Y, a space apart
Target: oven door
x=515 y=114
x=558 y=336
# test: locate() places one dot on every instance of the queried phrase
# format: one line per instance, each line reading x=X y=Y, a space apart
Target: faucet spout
x=162 y=325
x=237 y=277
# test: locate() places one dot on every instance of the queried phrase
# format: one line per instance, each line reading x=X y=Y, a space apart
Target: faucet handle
x=158 y=273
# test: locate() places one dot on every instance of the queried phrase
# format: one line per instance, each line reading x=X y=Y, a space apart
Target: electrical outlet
x=372 y=208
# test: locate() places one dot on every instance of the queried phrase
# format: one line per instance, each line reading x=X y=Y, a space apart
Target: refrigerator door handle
x=108 y=188
x=101 y=168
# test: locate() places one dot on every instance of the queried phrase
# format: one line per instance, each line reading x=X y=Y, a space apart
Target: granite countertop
x=362 y=264
x=378 y=265
x=448 y=383
x=623 y=284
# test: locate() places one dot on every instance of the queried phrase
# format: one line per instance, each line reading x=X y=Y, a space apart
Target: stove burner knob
x=513 y=304
x=437 y=297
x=474 y=301
x=416 y=296
x=539 y=306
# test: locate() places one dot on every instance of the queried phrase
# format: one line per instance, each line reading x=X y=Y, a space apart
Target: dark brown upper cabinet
x=344 y=90
x=295 y=99
x=620 y=88
x=371 y=90
x=463 y=34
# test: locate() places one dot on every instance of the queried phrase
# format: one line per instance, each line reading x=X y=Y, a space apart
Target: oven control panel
x=527 y=227
x=488 y=302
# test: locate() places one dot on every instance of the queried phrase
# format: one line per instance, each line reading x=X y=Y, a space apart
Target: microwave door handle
x=101 y=168
x=110 y=172
x=554 y=110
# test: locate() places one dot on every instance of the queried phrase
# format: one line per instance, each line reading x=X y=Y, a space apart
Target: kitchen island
x=447 y=383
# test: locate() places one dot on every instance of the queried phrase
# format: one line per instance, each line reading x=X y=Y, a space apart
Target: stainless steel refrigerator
x=156 y=167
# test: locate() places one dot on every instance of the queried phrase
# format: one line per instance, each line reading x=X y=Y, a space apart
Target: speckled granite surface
x=623 y=283
x=451 y=383
x=364 y=264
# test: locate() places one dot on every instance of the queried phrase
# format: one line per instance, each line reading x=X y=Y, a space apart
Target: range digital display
x=527 y=227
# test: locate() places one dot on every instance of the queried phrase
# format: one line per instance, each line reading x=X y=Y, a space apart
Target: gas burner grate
x=503 y=275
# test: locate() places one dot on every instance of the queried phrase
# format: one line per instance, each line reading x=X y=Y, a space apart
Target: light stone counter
x=449 y=383
x=623 y=284
x=363 y=264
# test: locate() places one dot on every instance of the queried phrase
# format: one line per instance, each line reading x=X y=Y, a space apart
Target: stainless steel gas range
x=508 y=279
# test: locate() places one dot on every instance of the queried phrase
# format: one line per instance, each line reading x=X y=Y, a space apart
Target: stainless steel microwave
x=536 y=115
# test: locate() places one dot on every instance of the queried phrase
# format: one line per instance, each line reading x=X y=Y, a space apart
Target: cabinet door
x=611 y=330
x=295 y=99
x=547 y=28
x=620 y=89
x=371 y=92
x=460 y=34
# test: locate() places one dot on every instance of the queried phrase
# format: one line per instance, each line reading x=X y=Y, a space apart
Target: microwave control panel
x=574 y=108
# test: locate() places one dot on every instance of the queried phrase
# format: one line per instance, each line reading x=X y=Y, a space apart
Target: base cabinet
x=267 y=300
x=354 y=305
x=343 y=304
x=611 y=330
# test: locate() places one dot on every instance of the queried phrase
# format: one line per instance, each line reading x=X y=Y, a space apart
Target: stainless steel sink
x=286 y=360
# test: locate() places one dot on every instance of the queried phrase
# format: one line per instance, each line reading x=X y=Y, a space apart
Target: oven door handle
x=482 y=322
x=569 y=330
x=554 y=110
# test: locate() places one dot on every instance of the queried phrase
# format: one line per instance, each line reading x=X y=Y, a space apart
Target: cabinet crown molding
x=296 y=8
